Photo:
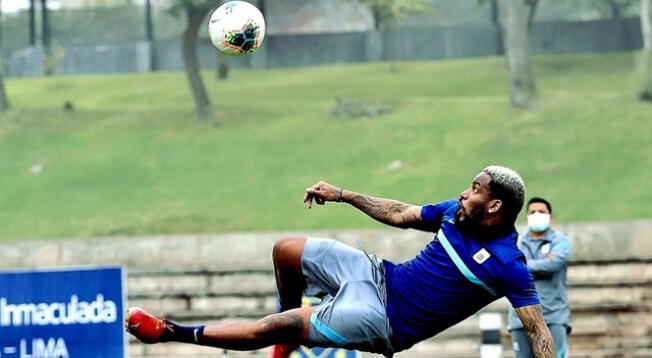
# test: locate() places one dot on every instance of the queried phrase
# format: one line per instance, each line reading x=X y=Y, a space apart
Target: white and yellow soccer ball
x=237 y=28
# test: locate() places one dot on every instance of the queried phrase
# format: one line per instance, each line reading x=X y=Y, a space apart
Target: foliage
x=195 y=12
x=387 y=12
x=177 y=7
x=623 y=3
x=127 y=161
x=97 y=25
x=52 y=59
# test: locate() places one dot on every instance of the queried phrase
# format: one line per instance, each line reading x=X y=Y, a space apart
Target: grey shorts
x=353 y=311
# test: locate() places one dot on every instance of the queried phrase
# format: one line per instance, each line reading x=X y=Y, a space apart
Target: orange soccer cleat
x=144 y=326
x=281 y=351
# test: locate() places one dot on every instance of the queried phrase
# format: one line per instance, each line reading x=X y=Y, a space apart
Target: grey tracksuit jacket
x=549 y=276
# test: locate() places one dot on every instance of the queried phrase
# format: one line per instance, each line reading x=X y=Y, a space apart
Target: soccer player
x=547 y=253
x=377 y=305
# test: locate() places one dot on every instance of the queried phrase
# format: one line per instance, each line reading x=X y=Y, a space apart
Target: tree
x=32 y=22
x=616 y=7
x=194 y=11
x=498 y=32
x=222 y=70
x=149 y=35
x=4 y=103
x=532 y=8
x=517 y=51
x=646 y=57
x=531 y=12
x=387 y=12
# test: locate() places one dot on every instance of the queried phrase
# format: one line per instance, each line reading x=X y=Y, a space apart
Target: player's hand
x=321 y=193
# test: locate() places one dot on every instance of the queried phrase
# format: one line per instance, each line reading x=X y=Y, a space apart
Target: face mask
x=538 y=222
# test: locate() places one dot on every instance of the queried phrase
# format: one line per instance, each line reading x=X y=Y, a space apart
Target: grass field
x=132 y=159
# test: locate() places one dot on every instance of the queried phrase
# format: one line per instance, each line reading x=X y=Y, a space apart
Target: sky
x=9 y=6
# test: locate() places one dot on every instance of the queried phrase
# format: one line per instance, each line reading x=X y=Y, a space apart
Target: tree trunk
x=149 y=35
x=376 y=17
x=194 y=17
x=32 y=22
x=262 y=6
x=4 y=103
x=498 y=32
x=517 y=49
x=222 y=66
x=532 y=11
x=646 y=28
x=389 y=46
x=615 y=9
x=45 y=27
x=222 y=69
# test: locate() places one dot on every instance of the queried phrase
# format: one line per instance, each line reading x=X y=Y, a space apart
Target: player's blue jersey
x=452 y=278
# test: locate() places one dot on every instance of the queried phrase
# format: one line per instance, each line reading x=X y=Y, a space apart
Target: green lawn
x=132 y=159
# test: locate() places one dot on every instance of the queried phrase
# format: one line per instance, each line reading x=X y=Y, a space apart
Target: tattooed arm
x=387 y=211
x=537 y=331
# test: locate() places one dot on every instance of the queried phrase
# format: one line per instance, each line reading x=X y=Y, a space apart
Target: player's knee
x=287 y=251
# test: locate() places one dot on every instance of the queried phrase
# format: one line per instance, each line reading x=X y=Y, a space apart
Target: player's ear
x=494 y=205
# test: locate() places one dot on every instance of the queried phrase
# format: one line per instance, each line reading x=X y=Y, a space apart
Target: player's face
x=474 y=199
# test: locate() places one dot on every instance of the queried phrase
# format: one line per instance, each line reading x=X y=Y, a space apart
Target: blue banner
x=62 y=313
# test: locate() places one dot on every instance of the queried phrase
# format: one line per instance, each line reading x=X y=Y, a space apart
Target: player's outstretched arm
x=537 y=331
x=387 y=211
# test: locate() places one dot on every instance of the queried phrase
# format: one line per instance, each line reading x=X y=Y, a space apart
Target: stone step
x=443 y=345
x=580 y=277
x=630 y=330
x=624 y=297
x=216 y=308
x=464 y=350
x=631 y=271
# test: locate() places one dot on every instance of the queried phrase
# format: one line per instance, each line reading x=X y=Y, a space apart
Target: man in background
x=547 y=252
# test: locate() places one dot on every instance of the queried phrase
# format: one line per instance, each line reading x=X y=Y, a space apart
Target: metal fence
x=115 y=39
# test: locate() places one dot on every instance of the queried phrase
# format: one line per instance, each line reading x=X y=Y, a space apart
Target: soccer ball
x=236 y=28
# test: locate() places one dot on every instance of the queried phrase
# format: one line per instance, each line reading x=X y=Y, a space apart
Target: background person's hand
x=321 y=192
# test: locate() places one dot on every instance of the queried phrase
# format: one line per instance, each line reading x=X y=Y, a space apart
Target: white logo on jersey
x=545 y=248
x=481 y=256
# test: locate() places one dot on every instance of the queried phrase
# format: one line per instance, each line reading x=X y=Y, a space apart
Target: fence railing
x=287 y=50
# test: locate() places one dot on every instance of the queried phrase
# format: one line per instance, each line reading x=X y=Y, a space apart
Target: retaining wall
x=591 y=239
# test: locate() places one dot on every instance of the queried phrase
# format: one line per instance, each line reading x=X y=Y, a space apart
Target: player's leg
x=290 y=327
x=560 y=337
x=316 y=267
x=521 y=344
x=290 y=280
x=320 y=267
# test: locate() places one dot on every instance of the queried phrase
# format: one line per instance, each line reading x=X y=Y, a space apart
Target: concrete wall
x=241 y=250
x=424 y=43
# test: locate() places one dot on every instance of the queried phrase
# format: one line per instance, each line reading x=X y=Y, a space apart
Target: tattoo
x=282 y=326
x=537 y=331
x=386 y=211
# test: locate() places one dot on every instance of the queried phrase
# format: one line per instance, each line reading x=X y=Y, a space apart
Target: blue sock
x=184 y=334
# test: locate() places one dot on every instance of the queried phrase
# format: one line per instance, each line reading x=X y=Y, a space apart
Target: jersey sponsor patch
x=481 y=256
x=545 y=248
